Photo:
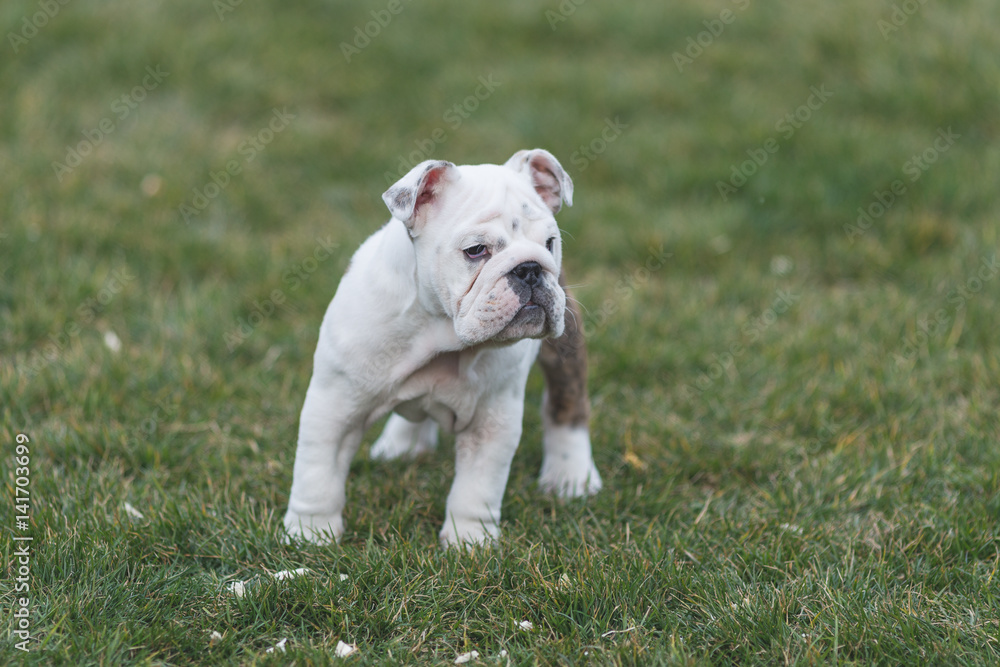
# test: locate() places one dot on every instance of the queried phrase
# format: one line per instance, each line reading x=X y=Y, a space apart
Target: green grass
x=815 y=485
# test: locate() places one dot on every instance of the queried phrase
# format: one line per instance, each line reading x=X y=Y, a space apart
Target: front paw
x=314 y=528
x=469 y=533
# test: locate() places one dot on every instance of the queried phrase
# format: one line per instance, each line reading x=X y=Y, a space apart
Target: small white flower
x=466 y=657
x=237 y=588
x=112 y=341
x=280 y=646
x=344 y=577
x=132 y=512
x=343 y=650
x=526 y=625
x=503 y=653
x=214 y=638
x=289 y=574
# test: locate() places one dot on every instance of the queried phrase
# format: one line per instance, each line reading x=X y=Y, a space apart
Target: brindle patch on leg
x=564 y=364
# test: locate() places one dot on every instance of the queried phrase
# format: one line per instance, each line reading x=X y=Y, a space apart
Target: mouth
x=529 y=306
x=530 y=320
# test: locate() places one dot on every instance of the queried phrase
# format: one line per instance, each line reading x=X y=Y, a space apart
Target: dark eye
x=550 y=244
x=476 y=251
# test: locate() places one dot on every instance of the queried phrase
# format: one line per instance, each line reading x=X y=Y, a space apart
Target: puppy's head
x=488 y=247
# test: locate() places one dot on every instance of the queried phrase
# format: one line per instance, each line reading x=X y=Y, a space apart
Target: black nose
x=528 y=273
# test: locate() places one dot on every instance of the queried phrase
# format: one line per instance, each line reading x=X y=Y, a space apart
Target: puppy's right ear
x=410 y=196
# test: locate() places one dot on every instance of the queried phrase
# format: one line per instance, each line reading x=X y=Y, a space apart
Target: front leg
x=328 y=440
x=483 y=454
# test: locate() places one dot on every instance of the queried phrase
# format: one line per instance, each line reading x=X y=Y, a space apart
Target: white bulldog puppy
x=439 y=318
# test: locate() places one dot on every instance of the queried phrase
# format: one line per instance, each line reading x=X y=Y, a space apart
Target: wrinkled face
x=494 y=251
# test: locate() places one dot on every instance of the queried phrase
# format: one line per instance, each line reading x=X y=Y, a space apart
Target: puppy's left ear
x=548 y=177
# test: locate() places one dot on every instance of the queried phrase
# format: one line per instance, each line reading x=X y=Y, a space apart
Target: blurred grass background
x=796 y=424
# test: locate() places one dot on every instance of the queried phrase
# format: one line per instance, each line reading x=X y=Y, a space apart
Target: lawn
x=785 y=238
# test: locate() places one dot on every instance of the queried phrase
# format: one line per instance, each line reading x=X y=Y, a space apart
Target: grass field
x=795 y=411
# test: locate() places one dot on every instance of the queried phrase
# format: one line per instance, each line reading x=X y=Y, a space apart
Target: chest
x=453 y=386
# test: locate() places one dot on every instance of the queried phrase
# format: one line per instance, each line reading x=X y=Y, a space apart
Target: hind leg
x=403 y=438
x=568 y=464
